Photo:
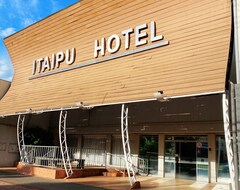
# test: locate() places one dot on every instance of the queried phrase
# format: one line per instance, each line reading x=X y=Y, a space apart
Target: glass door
x=186 y=157
x=202 y=161
x=185 y=160
x=169 y=165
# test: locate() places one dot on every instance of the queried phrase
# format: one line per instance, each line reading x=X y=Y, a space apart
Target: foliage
x=37 y=136
x=148 y=145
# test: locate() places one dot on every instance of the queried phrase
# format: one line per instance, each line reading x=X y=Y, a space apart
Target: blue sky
x=16 y=15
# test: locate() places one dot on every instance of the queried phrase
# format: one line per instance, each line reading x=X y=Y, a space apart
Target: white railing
x=118 y=161
x=93 y=157
x=50 y=156
x=143 y=167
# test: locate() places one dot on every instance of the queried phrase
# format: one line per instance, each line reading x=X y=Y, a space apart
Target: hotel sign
x=49 y=65
x=41 y=65
x=118 y=51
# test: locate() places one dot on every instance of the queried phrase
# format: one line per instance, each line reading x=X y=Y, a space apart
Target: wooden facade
x=4 y=86
x=194 y=61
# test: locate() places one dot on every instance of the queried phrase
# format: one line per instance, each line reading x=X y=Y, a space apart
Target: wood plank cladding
x=4 y=86
x=193 y=62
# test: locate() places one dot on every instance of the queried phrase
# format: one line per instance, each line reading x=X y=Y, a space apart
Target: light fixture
x=160 y=96
x=79 y=104
x=83 y=106
x=29 y=110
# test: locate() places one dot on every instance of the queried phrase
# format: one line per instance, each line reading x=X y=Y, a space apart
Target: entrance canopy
x=103 y=52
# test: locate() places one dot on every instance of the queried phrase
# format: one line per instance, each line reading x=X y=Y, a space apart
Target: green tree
x=37 y=136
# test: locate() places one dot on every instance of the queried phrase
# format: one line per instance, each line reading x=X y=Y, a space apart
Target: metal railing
x=115 y=161
x=47 y=156
x=118 y=161
x=50 y=156
x=143 y=167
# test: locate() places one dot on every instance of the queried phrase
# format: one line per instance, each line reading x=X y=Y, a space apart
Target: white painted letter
x=34 y=67
x=140 y=35
x=98 y=47
x=70 y=58
x=59 y=58
x=110 y=41
x=126 y=33
x=46 y=64
x=53 y=61
x=153 y=33
x=39 y=64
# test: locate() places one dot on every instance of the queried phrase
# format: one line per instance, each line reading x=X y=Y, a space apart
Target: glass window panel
x=169 y=165
x=222 y=161
x=202 y=161
x=117 y=156
x=149 y=151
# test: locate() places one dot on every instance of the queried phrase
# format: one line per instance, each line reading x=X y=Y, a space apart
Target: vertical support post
x=236 y=23
x=234 y=133
x=161 y=151
x=228 y=137
x=63 y=143
x=108 y=150
x=237 y=99
x=126 y=149
x=212 y=158
x=20 y=139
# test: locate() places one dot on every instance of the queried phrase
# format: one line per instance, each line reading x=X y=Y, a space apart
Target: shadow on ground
x=30 y=182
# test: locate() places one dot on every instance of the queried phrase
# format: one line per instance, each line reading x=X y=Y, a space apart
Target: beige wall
x=8 y=146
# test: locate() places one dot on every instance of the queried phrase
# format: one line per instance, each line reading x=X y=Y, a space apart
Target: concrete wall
x=8 y=146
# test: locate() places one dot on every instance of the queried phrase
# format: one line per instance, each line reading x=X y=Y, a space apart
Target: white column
x=63 y=143
x=108 y=149
x=212 y=158
x=161 y=150
x=236 y=15
x=126 y=147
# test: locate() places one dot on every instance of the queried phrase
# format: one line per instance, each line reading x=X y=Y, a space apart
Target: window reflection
x=222 y=161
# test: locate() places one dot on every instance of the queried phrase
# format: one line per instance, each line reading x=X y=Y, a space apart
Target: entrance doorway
x=186 y=157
